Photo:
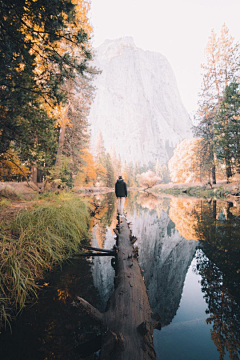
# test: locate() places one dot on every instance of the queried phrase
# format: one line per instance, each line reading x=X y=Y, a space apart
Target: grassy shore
x=198 y=191
x=35 y=240
x=221 y=190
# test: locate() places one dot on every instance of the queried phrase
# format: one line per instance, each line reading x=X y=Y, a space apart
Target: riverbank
x=20 y=192
x=35 y=236
x=221 y=190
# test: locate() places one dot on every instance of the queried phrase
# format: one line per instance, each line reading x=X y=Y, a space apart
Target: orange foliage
x=11 y=167
x=62 y=295
x=148 y=179
x=125 y=177
x=60 y=112
x=184 y=164
x=152 y=202
x=81 y=21
x=101 y=171
x=185 y=214
x=188 y=163
x=81 y=18
x=88 y=172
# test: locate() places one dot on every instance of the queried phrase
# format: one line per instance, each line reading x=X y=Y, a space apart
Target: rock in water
x=137 y=106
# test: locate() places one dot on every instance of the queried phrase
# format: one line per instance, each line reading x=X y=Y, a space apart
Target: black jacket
x=120 y=188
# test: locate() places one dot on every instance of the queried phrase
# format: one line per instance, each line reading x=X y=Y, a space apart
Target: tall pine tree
x=220 y=69
x=227 y=129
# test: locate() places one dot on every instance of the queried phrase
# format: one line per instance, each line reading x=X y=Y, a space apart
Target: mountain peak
x=113 y=48
x=137 y=106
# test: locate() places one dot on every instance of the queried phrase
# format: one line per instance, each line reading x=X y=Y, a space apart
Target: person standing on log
x=121 y=194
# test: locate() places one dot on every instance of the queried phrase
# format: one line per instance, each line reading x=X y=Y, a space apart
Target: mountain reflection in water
x=174 y=233
x=189 y=252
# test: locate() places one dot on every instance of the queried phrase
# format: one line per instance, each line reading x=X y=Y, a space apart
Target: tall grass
x=36 y=240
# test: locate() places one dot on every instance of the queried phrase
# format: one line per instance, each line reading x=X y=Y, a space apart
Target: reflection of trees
x=106 y=204
x=164 y=256
x=152 y=202
x=188 y=215
x=138 y=201
x=132 y=204
x=104 y=217
x=219 y=265
x=103 y=237
x=184 y=213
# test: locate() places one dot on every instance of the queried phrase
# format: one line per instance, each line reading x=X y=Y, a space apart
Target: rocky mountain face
x=102 y=270
x=164 y=256
x=137 y=106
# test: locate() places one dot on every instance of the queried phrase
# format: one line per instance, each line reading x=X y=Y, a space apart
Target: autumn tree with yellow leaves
x=148 y=179
x=11 y=167
x=186 y=163
x=190 y=163
x=44 y=45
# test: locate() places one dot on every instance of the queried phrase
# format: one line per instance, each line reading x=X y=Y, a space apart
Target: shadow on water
x=219 y=266
x=52 y=328
x=189 y=252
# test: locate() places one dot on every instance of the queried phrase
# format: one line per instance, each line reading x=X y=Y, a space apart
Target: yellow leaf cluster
x=88 y=174
x=184 y=214
x=101 y=171
x=30 y=29
x=82 y=9
x=11 y=167
x=183 y=165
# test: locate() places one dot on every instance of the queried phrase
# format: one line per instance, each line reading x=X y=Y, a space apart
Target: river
x=189 y=252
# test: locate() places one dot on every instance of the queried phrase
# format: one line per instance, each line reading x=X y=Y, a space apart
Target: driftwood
x=128 y=322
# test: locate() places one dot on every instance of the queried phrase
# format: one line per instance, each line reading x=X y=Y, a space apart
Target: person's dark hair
x=120 y=177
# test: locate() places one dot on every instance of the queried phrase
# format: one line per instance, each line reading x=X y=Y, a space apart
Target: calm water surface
x=189 y=251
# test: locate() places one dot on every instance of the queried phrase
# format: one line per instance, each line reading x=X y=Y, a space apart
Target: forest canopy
x=44 y=46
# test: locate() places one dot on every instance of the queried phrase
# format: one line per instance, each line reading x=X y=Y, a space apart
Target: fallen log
x=128 y=321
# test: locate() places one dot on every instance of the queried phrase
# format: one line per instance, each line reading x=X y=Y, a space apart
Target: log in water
x=128 y=321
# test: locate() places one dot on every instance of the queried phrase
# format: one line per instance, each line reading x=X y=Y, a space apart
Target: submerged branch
x=97 y=249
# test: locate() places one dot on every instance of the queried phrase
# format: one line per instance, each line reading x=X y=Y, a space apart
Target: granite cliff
x=164 y=257
x=137 y=106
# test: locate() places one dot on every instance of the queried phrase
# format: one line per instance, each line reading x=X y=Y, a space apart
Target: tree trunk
x=34 y=173
x=238 y=162
x=60 y=144
x=214 y=209
x=128 y=321
x=213 y=165
x=214 y=174
x=228 y=166
x=228 y=171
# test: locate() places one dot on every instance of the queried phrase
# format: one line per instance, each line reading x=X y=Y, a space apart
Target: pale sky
x=178 y=29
